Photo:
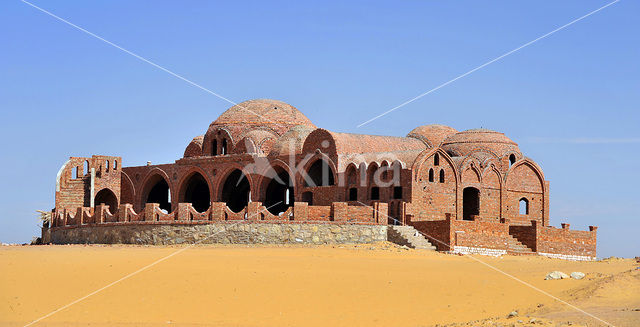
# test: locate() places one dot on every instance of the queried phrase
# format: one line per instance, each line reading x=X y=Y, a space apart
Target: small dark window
x=431 y=175
x=442 y=176
x=397 y=192
x=353 y=194
x=375 y=193
x=307 y=197
x=224 y=147
x=214 y=148
x=512 y=159
x=524 y=206
x=436 y=160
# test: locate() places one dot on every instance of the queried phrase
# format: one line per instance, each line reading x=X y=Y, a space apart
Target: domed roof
x=194 y=149
x=274 y=114
x=292 y=141
x=433 y=134
x=461 y=144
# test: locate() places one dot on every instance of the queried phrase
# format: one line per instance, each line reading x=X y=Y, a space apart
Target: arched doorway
x=106 y=196
x=235 y=191
x=158 y=192
x=470 y=203
x=278 y=196
x=319 y=174
x=195 y=190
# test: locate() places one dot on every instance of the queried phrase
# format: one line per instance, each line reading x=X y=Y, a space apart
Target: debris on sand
x=556 y=275
x=577 y=275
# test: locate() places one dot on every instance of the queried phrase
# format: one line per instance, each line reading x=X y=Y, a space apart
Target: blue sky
x=570 y=100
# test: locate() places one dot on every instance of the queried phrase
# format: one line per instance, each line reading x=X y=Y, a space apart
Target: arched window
x=115 y=164
x=436 y=160
x=512 y=159
x=319 y=174
x=431 y=175
x=524 y=206
x=214 y=147
x=351 y=175
x=75 y=172
x=85 y=170
x=224 y=147
x=107 y=165
x=442 y=176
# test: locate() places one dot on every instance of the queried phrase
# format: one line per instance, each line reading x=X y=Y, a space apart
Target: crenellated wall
x=301 y=212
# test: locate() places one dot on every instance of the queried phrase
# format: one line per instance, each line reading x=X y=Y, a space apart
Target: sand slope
x=366 y=285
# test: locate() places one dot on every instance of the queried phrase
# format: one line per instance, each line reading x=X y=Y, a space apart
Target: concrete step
x=516 y=247
x=408 y=236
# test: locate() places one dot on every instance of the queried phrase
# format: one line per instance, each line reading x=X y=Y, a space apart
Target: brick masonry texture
x=263 y=160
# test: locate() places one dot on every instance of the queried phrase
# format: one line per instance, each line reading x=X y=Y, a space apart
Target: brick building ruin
x=263 y=162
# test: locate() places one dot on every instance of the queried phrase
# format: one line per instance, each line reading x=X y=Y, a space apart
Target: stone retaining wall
x=223 y=233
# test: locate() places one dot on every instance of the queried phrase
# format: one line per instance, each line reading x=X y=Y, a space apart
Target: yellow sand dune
x=363 y=285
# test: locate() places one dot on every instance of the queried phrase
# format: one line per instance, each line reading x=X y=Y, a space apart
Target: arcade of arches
x=476 y=175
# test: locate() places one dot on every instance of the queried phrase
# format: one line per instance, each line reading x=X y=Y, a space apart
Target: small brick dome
x=433 y=134
x=273 y=114
x=194 y=149
x=461 y=144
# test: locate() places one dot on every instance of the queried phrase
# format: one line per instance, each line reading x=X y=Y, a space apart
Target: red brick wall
x=481 y=234
x=432 y=200
x=437 y=231
x=524 y=182
x=73 y=192
x=566 y=241
x=490 y=196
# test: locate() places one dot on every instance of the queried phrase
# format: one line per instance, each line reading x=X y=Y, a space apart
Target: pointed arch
x=422 y=161
x=195 y=187
x=321 y=161
x=471 y=175
x=155 y=189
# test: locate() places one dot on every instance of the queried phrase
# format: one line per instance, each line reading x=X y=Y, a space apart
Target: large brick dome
x=272 y=114
x=433 y=134
x=461 y=144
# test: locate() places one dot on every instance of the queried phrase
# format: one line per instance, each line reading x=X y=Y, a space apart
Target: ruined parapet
x=82 y=180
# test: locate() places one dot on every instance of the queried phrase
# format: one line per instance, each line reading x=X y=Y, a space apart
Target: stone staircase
x=514 y=247
x=408 y=236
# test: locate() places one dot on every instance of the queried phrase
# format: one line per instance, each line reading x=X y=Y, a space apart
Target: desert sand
x=356 y=285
